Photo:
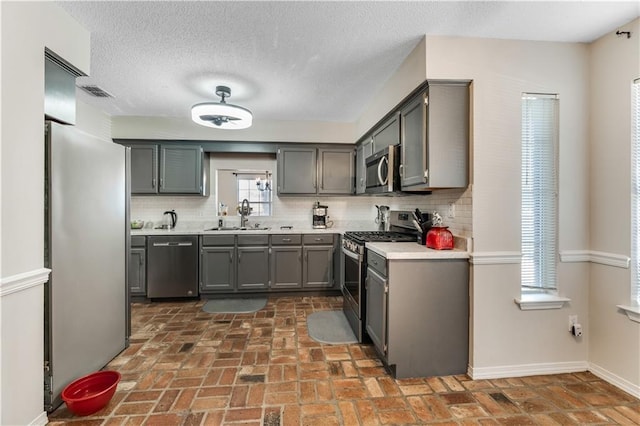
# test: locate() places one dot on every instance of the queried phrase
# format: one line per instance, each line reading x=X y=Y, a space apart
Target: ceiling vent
x=96 y=91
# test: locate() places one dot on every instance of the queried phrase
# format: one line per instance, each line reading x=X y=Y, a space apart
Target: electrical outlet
x=573 y=319
x=451 y=210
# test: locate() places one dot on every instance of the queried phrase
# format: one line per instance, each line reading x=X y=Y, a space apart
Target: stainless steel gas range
x=354 y=265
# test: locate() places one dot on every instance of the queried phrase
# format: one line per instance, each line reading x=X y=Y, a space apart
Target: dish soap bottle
x=439 y=237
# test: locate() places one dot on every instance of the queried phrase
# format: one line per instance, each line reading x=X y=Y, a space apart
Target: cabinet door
x=336 y=171
x=376 y=310
x=286 y=267
x=297 y=170
x=217 y=271
x=414 y=148
x=137 y=272
x=253 y=268
x=317 y=270
x=363 y=151
x=388 y=133
x=144 y=172
x=181 y=169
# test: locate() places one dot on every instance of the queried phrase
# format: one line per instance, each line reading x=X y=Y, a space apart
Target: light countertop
x=412 y=251
x=274 y=230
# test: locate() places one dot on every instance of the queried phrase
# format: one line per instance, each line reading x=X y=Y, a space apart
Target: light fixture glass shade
x=221 y=115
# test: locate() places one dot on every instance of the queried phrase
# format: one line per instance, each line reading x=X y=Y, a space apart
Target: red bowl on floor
x=90 y=393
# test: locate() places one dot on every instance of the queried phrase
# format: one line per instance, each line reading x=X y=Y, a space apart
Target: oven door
x=352 y=279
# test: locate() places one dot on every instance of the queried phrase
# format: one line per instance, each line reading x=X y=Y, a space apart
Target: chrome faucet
x=244 y=212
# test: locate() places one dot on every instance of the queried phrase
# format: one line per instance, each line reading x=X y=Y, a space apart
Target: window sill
x=633 y=312
x=540 y=301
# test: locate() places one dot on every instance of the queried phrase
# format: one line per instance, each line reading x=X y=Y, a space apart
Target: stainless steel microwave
x=382 y=171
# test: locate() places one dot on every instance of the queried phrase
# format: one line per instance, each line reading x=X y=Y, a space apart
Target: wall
x=505 y=340
x=347 y=212
x=26 y=29
x=614 y=64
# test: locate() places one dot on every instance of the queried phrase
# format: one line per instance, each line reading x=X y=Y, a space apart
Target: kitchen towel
x=234 y=306
x=330 y=327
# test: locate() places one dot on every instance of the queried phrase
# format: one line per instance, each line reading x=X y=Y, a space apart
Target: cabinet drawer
x=310 y=239
x=253 y=240
x=218 y=240
x=286 y=239
x=138 y=240
x=377 y=262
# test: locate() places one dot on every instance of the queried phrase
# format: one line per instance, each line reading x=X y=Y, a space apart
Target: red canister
x=440 y=238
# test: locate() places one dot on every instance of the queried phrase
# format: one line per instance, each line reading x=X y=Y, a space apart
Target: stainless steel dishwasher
x=172 y=266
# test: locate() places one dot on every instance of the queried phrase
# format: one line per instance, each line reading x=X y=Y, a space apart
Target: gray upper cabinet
x=315 y=171
x=144 y=169
x=336 y=170
x=181 y=169
x=363 y=150
x=297 y=172
x=388 y=133
x=434 y=135
x=168 y=169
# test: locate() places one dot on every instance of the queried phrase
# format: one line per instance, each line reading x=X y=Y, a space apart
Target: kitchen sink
x=236 y=228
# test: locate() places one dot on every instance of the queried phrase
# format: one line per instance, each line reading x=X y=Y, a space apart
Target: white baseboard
x=522 y=370
x=41 y=420
x=615 y=380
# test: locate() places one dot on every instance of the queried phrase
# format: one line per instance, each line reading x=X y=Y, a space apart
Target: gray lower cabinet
x=138 y=266
x=317 y=265
x=417 y=315
x=217 y=263
x=253 y=262
x=286 y=261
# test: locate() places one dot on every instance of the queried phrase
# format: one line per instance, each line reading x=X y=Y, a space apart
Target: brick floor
x=188 y=367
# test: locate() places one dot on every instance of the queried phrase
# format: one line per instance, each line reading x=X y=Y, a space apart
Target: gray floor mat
x=330 y=327
x=234 y=306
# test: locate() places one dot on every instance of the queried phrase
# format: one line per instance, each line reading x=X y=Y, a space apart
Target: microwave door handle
x=383 y=181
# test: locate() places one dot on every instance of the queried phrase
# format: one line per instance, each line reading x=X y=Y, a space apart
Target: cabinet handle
x=153 y=182
x=401 y=171
x=239 y=257
x=319 y=239
x=140 y=261
x=161 y=183
x=231 y=259
x=286 y=240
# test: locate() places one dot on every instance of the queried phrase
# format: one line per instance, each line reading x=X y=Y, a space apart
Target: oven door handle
x=352 y=255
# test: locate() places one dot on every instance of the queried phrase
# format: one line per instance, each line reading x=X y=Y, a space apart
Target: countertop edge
x=414 y=251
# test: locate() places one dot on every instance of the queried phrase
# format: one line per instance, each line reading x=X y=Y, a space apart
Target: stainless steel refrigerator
x=86 y=246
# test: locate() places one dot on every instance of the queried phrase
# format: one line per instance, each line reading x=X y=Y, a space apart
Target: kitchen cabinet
x=417 y=315
x=363 y=150
x=253 y=262
x=434 y=135
x=387 y=133
x=137 y=266
x=168 y=169
x=317 y=266
x=217 y=268
x=315 y=171
x=286 y=261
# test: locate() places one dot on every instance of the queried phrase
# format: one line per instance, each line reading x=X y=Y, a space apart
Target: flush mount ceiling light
x=221 y=115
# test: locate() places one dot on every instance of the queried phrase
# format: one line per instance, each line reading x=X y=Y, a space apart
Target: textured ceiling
x=308 y=60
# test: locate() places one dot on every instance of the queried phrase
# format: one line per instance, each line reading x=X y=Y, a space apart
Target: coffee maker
x=320 y=216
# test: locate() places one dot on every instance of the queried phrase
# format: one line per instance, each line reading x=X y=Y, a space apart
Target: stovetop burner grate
x=379 y=236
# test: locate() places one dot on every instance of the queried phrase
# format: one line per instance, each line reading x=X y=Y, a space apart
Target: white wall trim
x=527 y=370
x=633 y=312
x=615 y=380
x=538 y=301
x=495 y=257
x=603 y=258
x=21 y=282
x=41 y=420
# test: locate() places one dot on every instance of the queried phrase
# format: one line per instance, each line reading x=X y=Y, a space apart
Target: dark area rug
x=330 y=327
x=234 y=306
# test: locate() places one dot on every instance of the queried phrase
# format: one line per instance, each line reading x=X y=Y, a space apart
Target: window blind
x=635 y=192
x=539 y=191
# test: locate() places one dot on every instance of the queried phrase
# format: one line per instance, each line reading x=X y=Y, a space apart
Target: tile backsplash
x=347 y=212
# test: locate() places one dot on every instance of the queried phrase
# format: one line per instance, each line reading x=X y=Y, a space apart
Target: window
x=635 y=193
x=255 y=187
x=539 y=192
